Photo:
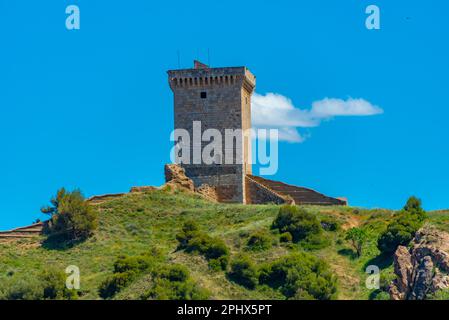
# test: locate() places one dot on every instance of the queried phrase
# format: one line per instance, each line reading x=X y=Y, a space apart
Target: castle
x=220 y=99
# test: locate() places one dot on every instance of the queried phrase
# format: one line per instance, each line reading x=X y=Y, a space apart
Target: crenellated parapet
x=209 y=77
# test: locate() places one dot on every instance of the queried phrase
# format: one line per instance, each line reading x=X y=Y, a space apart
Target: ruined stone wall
x=256 y=193
x=220 y=99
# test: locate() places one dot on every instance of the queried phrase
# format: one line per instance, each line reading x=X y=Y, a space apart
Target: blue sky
x=91 y=108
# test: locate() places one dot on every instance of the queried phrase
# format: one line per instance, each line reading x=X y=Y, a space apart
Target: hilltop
x=137 y=223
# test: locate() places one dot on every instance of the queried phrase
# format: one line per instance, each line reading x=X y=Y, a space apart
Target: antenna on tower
x=208 y=58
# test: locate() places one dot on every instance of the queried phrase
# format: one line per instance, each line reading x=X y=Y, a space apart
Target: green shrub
x=48 y=285
x=243 y=272
x=189 y=230
x=259 y=241
x=115 y=283
x=330 y=224
x=214 y=250
x=302 y=294
x=218 y=264
x=126 y=270
x=300 y=276
x=198 y=243
x=71 y=217
x=379 y=295
x=22 y=289
x=54 y=285
x=133 y=264
x=174 y=283
x=315 y=242
x=403 y=228
x=175 y=273
x=286 y=237
x=414 y=206
x=298 y=222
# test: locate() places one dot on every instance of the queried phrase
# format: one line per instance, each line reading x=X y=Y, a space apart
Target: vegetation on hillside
x=404 y=226
x=174 y=245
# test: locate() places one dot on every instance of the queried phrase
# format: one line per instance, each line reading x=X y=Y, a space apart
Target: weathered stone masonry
x=221 y=99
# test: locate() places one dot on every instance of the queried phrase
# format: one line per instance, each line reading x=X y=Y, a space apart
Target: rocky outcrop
x=175 y=176
x=208 y=192
x=421 y=270
x=403 y=268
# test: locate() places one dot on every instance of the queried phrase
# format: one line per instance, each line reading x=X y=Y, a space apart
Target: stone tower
x=218 y=98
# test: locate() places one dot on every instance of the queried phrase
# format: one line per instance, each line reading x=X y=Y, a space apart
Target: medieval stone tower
x=218 y=98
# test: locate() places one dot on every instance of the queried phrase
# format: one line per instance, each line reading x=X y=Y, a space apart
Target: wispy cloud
x=277 y=111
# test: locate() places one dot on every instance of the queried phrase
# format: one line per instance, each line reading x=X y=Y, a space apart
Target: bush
x=243 y=272
x=286 y=237
x=379 y=295
x=189 y=230
x=330 y=224
x=413 y=205
x=214 y=250
x=403 y=228
x=126 y=269
x=220 y=263
x=174 y=283
x=259 y=241
x=298 y=222
x=48 y=285
x=133 y=264
x=71 y=217
x=300 y=276
x=115 y=283
x=315 y=242
x=176 y=273
x=23 y=289
x=54 y=286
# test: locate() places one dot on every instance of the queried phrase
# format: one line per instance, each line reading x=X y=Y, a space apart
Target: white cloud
x=277 y=111
x=337 y=107
x=274 y=110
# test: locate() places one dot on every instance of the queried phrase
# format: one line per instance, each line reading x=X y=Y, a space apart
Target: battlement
x=203 y=76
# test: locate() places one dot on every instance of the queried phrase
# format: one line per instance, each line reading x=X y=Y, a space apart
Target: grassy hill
x=139 y=222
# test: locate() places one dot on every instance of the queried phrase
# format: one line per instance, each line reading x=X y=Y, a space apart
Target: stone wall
x=257 y=193
x=23 y=232
x=208 y=192
x=300 y=195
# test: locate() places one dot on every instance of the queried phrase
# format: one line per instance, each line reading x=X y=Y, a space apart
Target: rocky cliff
x=423 y=269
